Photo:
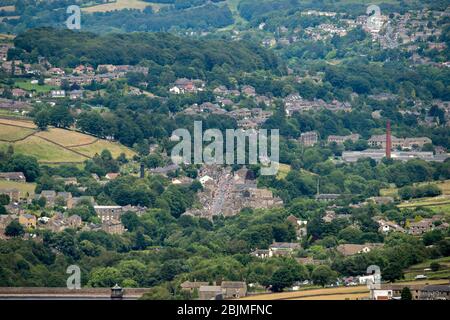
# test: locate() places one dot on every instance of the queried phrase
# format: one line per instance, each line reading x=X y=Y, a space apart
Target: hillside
x=117 y=5
x=439 y=204
x=54 y=145
x=160 y=49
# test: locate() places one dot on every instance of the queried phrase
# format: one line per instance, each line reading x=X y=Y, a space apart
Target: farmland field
x=55 y=145
x=45 y=151
x=442 y=273
x=27 y=85
x=19 y=123
x=443 y=185
x=426 y=202
x=11 y=133
x=302 y=294
x=65 y=137
x=339 y=293
x=115 y=148
x=24 y=188
x=118 y=5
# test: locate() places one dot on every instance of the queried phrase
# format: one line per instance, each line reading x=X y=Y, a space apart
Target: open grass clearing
x=96 y=148
x=118 y=5
x=45 y=151
x=11 y=133
x=18 y=123
x=23 y=187
x=66 y=138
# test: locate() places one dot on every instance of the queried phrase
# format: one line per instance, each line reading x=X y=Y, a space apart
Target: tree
x=26 y=164
x=130 y=221
x=4 y=199
x=281 y=279
x=60 y=117
x=14 y=229
x=104 y=277
x=42 y=119
x=392 y=272
x=351 y=235
x=157 y=293
x=406 y=294
x=140 y=243
x=435 y=266
x=132 y=269
x=323 y=275
x=431 y=237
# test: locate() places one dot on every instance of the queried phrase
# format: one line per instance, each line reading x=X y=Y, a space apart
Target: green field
x=11 y=133
x=442 y=273
x=440 y=204
x=24 y=188
x=45 y=151
x=443 y=185
x=65 y=137
x=437 y=204
x=55 y=145
x=117 y=5
x=115 y=148
x=26 y=85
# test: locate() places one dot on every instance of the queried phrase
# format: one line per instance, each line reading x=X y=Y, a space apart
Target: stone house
x=13 y=176
x=309 y=138
x=352 y=249
x=113 y=227
x=210 y=293
x=233 y=289
x=262 y=253
x=106 y=213
x=283 y=248
x=27 y=220
x=74 y=221
x=66 y=197
x=14 y=194
x=248 y=91
x=435 y=292
x=420 y=227
x=341 y=139
x=50 y=197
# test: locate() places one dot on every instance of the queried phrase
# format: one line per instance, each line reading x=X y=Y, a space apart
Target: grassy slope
x=443 y=273
x=21 y=186
x=45 y=151
x=440 y=204
x=443 y=185
x=10 y=133
x=55 y=145
x=65 y=137
x=115 y=148
x=28 y=86
x=118 y=5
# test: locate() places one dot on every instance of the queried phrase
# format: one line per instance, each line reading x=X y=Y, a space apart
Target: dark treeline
x=68 y=49
x=204 y=17
x=193 y=14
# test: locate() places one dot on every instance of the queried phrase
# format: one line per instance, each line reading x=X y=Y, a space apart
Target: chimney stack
x=388 y=140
